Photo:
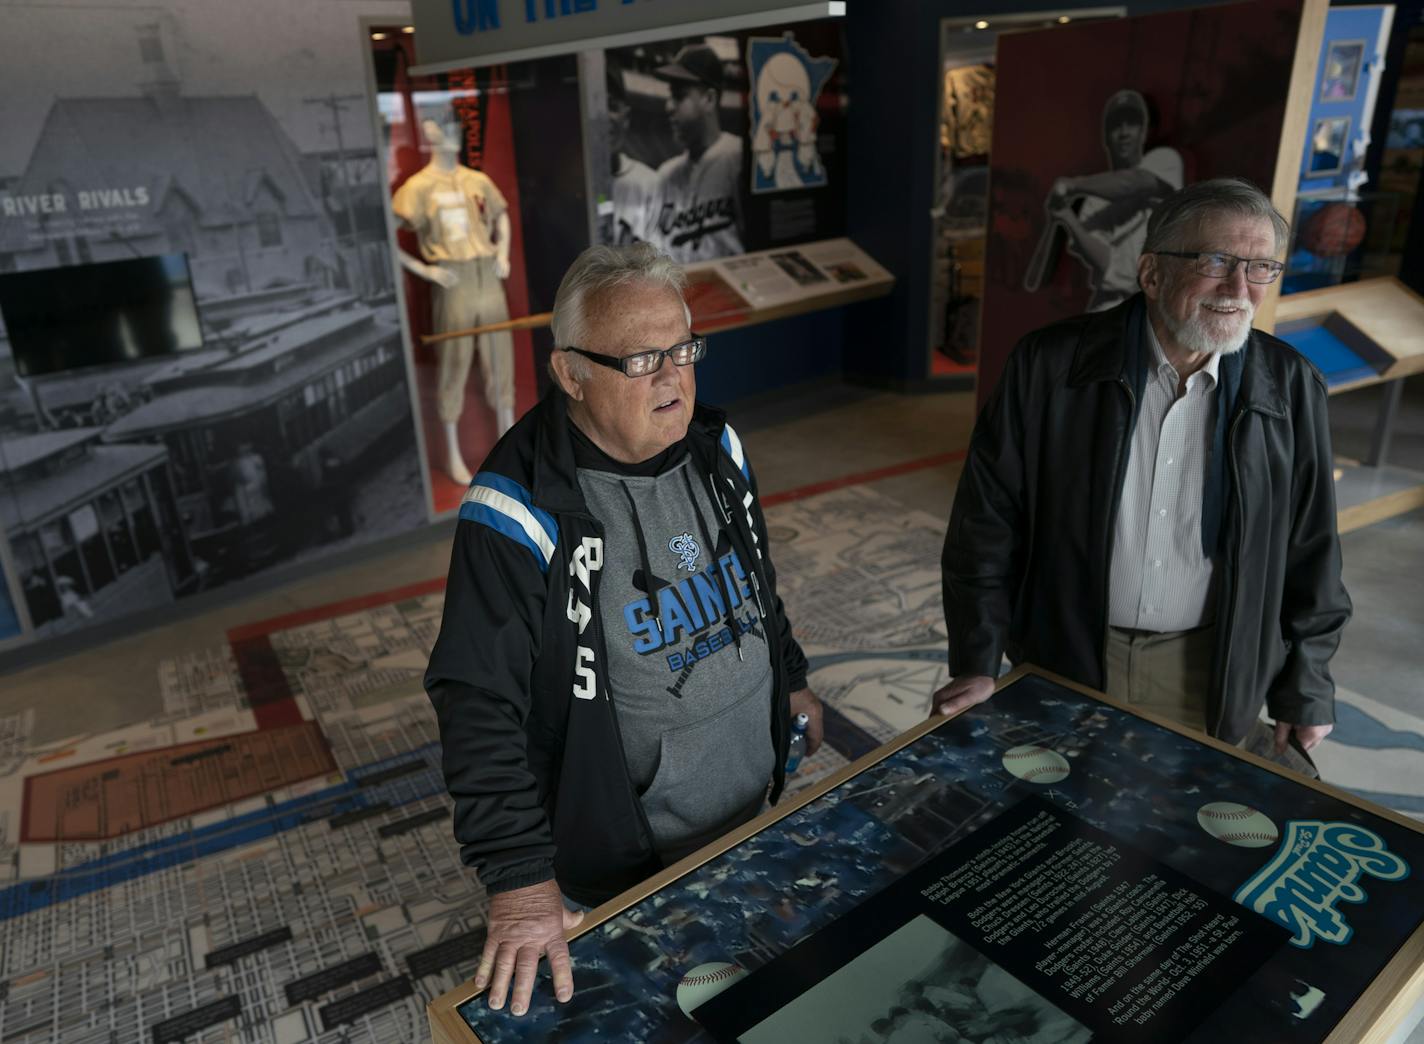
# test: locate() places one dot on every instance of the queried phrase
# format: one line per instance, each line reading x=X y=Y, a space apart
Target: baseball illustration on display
x=1237 y=824
x=704 y=982
x=1036 y=764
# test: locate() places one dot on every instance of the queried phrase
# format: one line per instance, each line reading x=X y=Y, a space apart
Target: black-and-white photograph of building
x=281 y=429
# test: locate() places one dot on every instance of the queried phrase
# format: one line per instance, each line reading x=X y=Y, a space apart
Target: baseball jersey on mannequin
x=699 y=207
x=454 y=213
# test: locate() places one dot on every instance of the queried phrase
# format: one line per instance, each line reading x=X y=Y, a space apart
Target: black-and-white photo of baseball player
x=673 y=109
x=1102 y=218
x=635 y=184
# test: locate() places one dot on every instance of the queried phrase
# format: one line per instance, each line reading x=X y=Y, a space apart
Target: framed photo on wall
x=1329 y=144
x=1340 y=78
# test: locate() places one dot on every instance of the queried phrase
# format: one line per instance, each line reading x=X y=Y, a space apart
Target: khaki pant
x=476 y=300
x=1170 y=673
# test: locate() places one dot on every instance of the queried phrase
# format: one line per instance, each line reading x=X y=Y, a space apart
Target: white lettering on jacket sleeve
x=586 y=560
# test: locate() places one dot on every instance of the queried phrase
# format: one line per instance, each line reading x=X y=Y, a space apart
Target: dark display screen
x=99 y=314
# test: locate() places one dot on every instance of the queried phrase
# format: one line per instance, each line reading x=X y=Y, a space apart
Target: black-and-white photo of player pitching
x=1101 y=219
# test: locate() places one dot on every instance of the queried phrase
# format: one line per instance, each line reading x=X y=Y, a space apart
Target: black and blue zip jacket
x=532 y=753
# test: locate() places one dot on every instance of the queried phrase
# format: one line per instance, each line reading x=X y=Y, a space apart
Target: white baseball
x=1239 y=825
x=1036 y=764
x=704 y=982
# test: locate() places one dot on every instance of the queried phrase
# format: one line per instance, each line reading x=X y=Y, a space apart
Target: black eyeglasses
x=640 y=364
x=1215 y=265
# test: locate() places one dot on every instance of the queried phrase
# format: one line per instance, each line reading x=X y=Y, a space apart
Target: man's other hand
x=804 y=701
x=1309 y=735
x=524 y=925
x=961 y=692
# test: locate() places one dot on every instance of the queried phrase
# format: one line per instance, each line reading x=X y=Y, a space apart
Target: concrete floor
x=1383 y=563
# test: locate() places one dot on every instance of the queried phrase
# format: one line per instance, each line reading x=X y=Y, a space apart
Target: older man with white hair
x=1148 y=502
x=615 y=675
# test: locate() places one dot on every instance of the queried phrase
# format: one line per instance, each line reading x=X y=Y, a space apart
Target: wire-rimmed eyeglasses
x=1216 y=265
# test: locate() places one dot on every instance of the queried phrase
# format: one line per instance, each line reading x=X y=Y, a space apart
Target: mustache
x=1231 y=302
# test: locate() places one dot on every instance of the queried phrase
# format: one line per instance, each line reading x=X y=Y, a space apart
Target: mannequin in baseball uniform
x=461 y=222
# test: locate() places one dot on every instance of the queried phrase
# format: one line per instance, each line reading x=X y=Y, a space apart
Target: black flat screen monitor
x=100 y=314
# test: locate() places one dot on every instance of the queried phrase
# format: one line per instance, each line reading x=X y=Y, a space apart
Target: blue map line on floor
x=1357 y=728
x=107 y=871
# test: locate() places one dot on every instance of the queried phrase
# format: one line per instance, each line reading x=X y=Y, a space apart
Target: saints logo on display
x=686 y=550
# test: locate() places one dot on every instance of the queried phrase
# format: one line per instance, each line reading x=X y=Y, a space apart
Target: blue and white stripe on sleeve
x=506 y=507
x=733 y=447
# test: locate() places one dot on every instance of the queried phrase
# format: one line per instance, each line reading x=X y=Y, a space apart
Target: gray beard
x=1194 y=336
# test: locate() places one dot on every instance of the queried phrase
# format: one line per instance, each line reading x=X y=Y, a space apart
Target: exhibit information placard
x=1046 y=866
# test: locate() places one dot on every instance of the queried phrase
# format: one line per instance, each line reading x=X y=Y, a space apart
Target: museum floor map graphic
x=1087 y=895
x=266 y=854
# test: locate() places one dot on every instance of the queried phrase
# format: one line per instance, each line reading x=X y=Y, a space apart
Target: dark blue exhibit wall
x=893 y=54
x=755 y=359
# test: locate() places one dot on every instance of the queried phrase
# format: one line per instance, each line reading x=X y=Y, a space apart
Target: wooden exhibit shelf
x=1366 y=495
x=754 y=288
x=1385 y=311
x=1007 y=789
x=1359 y=335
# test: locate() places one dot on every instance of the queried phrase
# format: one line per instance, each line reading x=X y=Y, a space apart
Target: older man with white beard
x=1148 y=504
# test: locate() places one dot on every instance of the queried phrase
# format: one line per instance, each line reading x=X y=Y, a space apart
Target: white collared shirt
x=1160 y=580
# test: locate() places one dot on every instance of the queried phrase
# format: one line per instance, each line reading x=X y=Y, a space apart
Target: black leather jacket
x=1029 y=545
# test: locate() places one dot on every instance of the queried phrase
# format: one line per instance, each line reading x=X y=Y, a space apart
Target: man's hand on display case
x=964 y=691
x=804 y=701
x=524 y=925
x=501 y=266
x=1308 y=735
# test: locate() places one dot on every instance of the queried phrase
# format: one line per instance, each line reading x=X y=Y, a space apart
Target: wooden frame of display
x=1370 y=1020
x=1299 y=96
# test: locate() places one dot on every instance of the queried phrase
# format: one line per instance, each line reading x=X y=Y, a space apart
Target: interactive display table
x=1046 y=867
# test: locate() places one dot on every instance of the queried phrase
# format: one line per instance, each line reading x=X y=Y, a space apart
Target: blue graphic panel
x=1332 y=357
x=1351 y=59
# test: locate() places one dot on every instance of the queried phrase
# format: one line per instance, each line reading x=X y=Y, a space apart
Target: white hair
x=593 y=273
x=1177 y=216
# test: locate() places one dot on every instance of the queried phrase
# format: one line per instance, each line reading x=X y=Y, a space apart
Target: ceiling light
x=411 y=28
x=378 y=36
x=1064 y=19
x=981 y=24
